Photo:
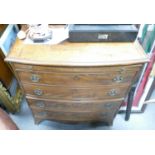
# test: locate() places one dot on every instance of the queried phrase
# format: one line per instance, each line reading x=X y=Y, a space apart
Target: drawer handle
x=76 y=77
x=35 y=78
x=118 y=78
x=122 y=70
x=38 y=92
x=113 y=92
x=42 y=113
x=40 y=104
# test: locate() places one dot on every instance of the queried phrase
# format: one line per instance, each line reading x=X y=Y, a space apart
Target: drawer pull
x=40 y=104
x=118 y=78
x=42 y=113
x=38 y=92
x=113 y=92
x=35 y=78
x=76 y=77
x=122 y=70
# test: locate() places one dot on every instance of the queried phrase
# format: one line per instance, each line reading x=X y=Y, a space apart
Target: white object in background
x=38 y=28
x=140 y=32
x=21 y=35
x=58 y=35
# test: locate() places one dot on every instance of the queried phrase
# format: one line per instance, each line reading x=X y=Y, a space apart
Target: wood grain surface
x=74 y=106
x=76 y=82
x=77 y=93
x=77 y=54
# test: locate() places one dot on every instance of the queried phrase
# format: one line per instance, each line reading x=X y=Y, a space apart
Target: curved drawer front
x=69 y=93
x=76 y=79
x=72 y=116
x=75 y=106
x=91 y=69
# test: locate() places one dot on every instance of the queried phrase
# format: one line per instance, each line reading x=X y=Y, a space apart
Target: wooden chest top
x=77 y=54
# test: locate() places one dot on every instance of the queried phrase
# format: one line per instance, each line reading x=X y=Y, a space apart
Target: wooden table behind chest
x=76 y=82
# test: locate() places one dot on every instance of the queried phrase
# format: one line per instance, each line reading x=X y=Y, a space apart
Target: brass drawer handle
x=118 y=78
x=112 y=92
x=38 y=92
x=35 y=78
x=76 y=77
x=122 y=70
x=40 y=104
x=42 y=113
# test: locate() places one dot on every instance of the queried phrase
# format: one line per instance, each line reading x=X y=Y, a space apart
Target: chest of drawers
x=76 y=82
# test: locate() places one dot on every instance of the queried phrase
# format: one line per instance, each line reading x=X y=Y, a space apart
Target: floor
x=138 y=121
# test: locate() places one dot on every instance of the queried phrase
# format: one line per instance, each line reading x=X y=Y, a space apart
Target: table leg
x=129 y=103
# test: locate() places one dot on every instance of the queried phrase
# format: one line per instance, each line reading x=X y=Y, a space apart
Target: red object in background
x=145 y=77
x=144 y=80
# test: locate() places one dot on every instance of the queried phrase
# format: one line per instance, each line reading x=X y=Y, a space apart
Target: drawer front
x=72 y=116
x=75 y=106
x=68 y=93
x=75 y=79
x=100 y=69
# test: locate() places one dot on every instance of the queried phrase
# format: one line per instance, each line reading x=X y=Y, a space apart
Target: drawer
x=99 y=69
x=75 y=79
x=75 y=106
x=69 y=93
x=70 y=117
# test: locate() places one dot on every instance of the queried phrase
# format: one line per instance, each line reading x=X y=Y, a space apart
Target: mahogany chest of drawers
x=76 y=82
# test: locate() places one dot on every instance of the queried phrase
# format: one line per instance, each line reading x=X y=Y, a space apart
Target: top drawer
x=75 y=79
x=100 y=69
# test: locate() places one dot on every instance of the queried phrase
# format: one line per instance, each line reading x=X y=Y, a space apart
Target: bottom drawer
x=72 y=117
x=71 y=112
x=75 y=106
